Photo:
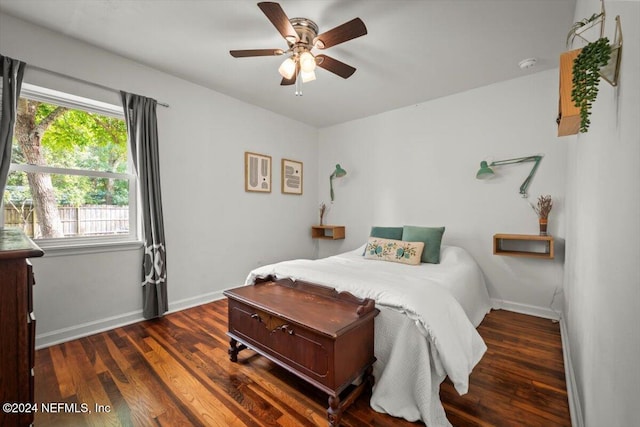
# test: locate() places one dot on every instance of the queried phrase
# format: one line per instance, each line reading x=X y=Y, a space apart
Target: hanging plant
x=586 y=78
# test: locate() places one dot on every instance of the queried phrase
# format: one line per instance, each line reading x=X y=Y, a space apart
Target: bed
x=426 y=327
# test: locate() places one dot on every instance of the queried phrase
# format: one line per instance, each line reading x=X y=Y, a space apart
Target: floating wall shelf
x=331 y=232
x=523 y=245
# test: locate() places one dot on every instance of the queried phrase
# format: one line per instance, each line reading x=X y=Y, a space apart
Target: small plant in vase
x=542 y=209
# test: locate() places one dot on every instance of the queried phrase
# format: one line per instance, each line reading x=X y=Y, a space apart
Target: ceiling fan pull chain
x=298 y=86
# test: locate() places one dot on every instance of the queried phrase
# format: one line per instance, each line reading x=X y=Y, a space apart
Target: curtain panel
x=12 y=72
x=140 y=115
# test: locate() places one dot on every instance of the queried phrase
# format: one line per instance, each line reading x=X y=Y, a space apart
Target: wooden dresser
x=17 y=327
x=316 y=333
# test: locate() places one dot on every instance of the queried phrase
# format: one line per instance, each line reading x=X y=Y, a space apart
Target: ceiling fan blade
x=336 y=67
x=255 y=52
x=288 y=82
x=340 y=34
x=279 y=19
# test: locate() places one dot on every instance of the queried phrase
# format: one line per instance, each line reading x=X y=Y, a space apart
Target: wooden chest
x=318 y=334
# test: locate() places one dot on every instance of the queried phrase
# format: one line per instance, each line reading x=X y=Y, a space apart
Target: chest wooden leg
x=234 y=349
x=337 y=406
x=334 y=412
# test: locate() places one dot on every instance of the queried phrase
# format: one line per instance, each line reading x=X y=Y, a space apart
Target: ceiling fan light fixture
x=307 y=62
x=307 y=76
x=302 y=35
x=287 y=68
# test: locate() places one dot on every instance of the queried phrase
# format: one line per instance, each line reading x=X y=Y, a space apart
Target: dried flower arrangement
x=322 y=208
x=543 y=207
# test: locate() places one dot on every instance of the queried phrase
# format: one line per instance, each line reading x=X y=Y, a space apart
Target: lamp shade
x=485 y=171
x=287 y=68
x=307 y=62
x=307 y=76
x=339 y=172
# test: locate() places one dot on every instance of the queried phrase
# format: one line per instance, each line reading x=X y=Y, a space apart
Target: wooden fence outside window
x=89 y=220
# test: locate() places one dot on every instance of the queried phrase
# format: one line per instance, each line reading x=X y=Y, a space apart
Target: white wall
x=417 y=165
x=602 y=279
x=215 y=231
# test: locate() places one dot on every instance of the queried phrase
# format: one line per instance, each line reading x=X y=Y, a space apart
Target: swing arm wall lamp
x=486 y=172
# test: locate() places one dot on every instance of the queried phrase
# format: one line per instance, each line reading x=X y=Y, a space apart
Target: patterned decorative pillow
x=394 y=250
x=394 y=233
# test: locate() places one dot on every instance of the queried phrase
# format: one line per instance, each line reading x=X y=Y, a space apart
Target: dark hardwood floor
x=175 y=371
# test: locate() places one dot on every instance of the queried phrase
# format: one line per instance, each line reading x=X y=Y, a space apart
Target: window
x=70 y=180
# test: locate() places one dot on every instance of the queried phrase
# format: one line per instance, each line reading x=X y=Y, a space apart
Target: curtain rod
x=98 y=85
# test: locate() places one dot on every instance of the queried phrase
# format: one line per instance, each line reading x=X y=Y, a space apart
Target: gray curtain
x=12 y=72
x=140 y=114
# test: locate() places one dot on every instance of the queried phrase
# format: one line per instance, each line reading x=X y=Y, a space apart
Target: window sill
x=58 y=248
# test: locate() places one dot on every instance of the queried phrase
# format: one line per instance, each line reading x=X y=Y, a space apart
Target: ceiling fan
x=302 y=35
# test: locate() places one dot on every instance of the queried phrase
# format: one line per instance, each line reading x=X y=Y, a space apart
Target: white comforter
x=442 y=302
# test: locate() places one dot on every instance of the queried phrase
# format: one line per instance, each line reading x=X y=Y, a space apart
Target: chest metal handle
x=284 y=328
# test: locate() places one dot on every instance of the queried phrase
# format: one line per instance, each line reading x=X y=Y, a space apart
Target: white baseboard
x=93 y=327
x=575 y=409
x=194 y=301
x=532 y=310
x=58 y=336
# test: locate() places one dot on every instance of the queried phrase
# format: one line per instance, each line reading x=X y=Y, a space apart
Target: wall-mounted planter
x=568 y=114
x=610 y=71
x=569 y=120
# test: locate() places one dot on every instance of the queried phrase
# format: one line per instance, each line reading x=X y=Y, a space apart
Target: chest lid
x=317 y=307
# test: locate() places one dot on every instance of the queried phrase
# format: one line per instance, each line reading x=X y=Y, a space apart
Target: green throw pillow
x=394 y=233
x=432 y=238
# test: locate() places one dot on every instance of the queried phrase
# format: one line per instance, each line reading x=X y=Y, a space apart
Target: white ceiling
x=415 y=50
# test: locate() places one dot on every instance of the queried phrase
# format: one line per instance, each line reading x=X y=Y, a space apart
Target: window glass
x=70 y=174
x=75 y=139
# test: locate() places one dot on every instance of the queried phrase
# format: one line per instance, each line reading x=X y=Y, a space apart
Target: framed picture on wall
x=257 y=172
x=291 y=177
